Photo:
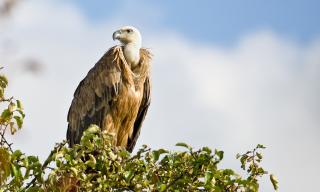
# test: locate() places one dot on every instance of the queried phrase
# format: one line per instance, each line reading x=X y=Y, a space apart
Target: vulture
x=115 y=94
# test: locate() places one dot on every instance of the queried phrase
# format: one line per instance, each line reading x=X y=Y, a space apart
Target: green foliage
x=96 y=165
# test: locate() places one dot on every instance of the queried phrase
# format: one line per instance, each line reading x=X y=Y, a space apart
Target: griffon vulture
x=115 y=94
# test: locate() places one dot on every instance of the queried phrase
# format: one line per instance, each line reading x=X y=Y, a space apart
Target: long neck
x=132 y=53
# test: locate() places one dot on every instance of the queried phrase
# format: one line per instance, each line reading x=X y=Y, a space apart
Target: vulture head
x=130 y=37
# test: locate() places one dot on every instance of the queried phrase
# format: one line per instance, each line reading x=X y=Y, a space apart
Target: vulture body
x=115 y=94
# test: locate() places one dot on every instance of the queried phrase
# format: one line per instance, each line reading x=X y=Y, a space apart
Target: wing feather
x=94 y=95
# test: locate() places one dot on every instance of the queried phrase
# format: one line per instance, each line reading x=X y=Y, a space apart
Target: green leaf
x=93 y=129
x=274 y=182
x=156 y=153
x=21 y=113
x=3 y=81
x=19 y=104
x=259 y=155
x=228 y=172
x=33 y=159
x=16 y=172
x=180 y=144
x=219 y=154
x=91 y=162
x=259 y=146
x=124 y=154
x=128 y=175
x=74 y=171
x=207 y=149
x=12 y=107
x=19 y=121
x=162 y=187
x=162 y=151
x=13 y=129
x=17 y=154
x=208 y=177
x=6 y=114
x=112 y=155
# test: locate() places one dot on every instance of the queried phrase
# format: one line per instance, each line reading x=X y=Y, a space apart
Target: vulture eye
x=129 y=30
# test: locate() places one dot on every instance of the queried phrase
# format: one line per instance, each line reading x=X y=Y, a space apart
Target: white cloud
x=263 y=90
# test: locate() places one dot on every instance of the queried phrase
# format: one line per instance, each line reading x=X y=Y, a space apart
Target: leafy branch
x=96 y=165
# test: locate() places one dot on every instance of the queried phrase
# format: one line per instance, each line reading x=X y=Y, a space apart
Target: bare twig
x=3 y=139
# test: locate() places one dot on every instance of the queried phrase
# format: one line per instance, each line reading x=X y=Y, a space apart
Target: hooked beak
x=116 y=35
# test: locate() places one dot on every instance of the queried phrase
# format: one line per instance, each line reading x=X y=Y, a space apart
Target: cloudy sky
x=226 y=74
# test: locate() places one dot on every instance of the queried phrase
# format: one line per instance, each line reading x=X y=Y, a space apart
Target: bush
x=96 y=165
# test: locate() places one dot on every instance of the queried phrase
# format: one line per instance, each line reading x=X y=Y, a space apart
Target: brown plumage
x=114 y=95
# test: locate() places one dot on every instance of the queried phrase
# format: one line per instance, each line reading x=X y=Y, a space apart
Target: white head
x=128 y=35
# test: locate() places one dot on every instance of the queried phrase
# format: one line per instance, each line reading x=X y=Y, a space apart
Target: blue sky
x=221 y=22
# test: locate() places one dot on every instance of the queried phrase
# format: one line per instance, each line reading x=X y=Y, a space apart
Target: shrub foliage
x=96 y=165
